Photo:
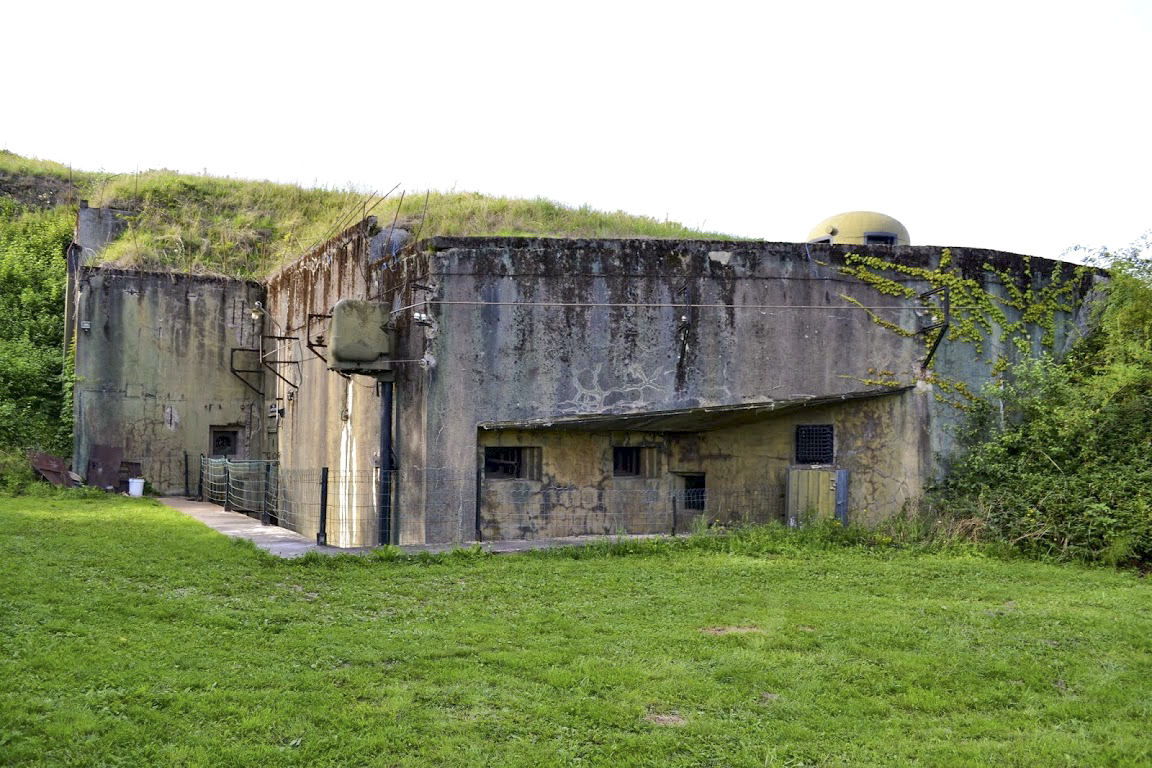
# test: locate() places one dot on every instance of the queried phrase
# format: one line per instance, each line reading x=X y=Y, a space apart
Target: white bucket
x=135 y=486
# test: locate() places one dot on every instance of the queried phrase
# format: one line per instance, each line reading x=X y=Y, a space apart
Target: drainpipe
x=385 y=461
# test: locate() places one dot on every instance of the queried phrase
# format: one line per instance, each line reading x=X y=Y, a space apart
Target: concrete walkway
x=285 y=543
x=278 y=541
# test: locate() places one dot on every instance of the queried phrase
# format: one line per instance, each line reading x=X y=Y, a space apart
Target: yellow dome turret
x=859 y=228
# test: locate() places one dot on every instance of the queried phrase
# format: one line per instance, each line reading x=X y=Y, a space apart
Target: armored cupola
x=859 y=228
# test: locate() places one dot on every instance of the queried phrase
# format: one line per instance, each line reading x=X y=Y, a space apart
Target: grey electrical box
x=361 y=339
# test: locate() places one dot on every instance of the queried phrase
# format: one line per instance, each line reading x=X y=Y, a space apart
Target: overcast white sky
x=1017 y=125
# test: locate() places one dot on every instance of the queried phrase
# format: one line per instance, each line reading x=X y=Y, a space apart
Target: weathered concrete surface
x=328 y=420
x=153 y=370
x=505 y=331
x=96 y=228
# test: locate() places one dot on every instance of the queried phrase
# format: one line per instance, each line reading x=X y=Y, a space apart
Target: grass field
x=130 y=635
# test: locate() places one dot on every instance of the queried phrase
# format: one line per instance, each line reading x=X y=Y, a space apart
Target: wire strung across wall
x=656 y=305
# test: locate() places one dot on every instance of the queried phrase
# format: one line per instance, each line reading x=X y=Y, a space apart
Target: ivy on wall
x=979 y=316
x=1058 y=462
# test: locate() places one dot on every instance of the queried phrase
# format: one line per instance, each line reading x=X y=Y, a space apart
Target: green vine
x=977 y=316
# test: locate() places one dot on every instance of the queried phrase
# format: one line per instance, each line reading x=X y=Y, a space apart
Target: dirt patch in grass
x=730 y=630
x=670 y=719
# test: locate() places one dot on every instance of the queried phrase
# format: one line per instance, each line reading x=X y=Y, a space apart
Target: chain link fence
x=448 y=506
x=526 y=512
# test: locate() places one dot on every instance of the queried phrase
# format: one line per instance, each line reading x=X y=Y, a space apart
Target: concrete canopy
x=699 y=419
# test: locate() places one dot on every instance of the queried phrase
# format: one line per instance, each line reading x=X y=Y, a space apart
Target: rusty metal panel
x=54 y=469
x=817 y=494
x=104 y=466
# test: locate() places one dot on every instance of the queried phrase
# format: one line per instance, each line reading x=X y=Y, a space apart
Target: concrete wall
x=329 y=420
x=521 y=332
x=543 y=343
x=514 y=341
x=152 y=369
x=879 y=440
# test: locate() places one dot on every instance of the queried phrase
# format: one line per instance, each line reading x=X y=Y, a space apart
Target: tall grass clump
x=205 y=224
x=235 y=227
x=250 y=228
x=473 y=214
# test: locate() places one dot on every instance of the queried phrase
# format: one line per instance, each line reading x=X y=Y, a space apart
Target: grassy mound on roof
x=192 y=223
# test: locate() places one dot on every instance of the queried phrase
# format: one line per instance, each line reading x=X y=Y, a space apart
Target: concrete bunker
x=539 y=388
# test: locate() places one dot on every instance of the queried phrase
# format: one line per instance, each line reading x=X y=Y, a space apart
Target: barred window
x=517 y=463
x=814 y=444
x=631 y=461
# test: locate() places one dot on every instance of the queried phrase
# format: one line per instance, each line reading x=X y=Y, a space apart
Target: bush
x=1058 y=460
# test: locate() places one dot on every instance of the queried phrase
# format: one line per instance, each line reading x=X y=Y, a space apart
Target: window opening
x=512 y=463
x=814 y=444
x=695 y=494
x=225 y=442
x=879 y=238
x=627 y=461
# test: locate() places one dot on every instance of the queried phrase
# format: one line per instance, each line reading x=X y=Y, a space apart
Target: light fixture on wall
x=257 y=311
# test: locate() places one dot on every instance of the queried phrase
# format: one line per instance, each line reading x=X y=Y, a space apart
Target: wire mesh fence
x=449 y=506
x=337 y=508
x=558 y=512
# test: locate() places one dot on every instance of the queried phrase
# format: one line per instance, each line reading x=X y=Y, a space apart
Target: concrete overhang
x=700 y=419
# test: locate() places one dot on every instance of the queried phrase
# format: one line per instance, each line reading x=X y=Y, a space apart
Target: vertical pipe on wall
x=385 y=501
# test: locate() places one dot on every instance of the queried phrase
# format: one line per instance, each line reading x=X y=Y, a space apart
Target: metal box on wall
x=361 y=338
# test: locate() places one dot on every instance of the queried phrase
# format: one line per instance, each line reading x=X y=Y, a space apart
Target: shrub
x=1058 y=460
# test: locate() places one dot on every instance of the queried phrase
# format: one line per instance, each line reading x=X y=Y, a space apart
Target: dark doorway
x=694 y=492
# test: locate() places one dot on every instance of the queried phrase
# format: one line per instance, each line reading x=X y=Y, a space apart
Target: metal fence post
x=385 y=501
x=479 y=498
x=322 y=532
x=227 y=486
x=264 y=506
x=200 y=483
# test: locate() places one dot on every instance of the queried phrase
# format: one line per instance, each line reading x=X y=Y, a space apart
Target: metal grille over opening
x=695 y=492
x=627 y=462
x=814 y=444
x=516 y=463
x=225 y=441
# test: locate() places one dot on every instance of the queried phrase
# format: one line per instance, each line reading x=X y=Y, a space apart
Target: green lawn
x=130 y=635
